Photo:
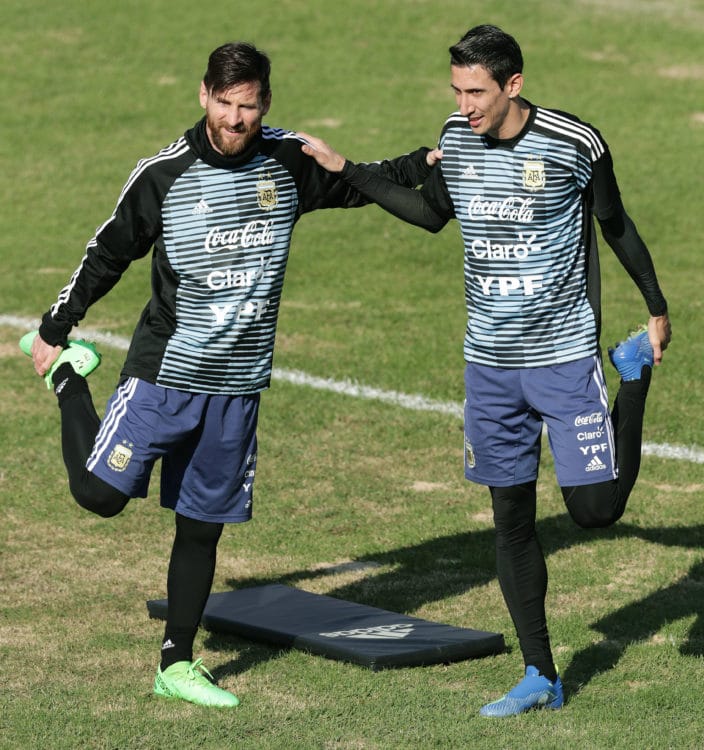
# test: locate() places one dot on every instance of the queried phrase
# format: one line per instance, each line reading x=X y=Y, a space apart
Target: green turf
x=88 y=88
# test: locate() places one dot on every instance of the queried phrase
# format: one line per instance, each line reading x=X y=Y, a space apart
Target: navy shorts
x=207 y=444
x=504 y=415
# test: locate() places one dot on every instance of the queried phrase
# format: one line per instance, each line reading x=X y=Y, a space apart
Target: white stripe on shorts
x=604 y=398
x=111 y=420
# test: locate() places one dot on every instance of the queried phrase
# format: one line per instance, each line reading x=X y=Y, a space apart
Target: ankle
x=68 y=383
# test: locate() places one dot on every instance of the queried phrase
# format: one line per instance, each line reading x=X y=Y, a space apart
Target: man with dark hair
x=232 y=64
x=217 y=208
x=524 y=183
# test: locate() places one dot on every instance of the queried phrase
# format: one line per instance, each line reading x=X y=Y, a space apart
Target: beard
x=231 y=142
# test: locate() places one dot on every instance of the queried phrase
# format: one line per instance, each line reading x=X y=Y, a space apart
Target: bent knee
x=98 y=497
x=594 y=519
x=594 y=506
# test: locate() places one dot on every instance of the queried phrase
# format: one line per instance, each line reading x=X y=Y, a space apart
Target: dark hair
x=235 y=63
x=492 y=48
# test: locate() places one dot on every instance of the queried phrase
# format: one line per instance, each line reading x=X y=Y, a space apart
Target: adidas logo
x=380 y=632
x=60 y=386
x=470 y=173
x=167 y=644
x=202 y=207
x=596 y=464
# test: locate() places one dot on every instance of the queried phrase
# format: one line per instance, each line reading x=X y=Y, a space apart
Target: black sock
x=522 y=573
x=191 y=571
x=67 y=383
x=627 y=417
x=177 y=646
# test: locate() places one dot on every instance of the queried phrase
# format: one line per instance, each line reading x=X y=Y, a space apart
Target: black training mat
x=338 y=629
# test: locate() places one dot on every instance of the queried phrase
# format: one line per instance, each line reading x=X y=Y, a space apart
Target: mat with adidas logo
x=338 y=629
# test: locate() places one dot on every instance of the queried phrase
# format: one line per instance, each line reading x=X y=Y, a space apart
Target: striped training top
x=523 y=210
x=219 y=230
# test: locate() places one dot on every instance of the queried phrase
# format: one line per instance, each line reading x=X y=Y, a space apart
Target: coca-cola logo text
x=511 y=208
x=595 y=418
x=253 y=234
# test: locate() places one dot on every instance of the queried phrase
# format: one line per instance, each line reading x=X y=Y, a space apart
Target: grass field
x=355 y=498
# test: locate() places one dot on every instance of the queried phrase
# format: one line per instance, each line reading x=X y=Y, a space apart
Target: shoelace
x=198 y=665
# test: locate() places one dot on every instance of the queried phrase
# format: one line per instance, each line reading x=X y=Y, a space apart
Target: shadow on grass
x=640 y=621
x=452 y=565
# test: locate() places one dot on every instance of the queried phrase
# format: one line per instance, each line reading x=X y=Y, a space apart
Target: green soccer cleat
x=26 y=342
x=185 y=680
x=80 y=354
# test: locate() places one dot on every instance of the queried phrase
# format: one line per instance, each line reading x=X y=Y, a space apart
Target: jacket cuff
x=54 y=332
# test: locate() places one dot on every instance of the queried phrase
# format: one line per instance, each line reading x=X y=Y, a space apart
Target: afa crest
x=267 y=196
x=120 y=457
x=469 y=458
x=533 y=174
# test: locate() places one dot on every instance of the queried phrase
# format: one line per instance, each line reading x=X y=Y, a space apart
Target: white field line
x=417 y=402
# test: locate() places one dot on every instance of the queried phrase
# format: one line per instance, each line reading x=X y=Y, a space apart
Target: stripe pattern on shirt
x=227 y=236
x=521 y=210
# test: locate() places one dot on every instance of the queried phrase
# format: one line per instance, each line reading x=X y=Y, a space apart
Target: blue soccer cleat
x=630 y=356
x=532 y=692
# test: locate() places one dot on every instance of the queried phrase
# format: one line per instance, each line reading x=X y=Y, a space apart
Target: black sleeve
x=622 y=236
x=127 y=235
x=320 y=189
x=405 y=203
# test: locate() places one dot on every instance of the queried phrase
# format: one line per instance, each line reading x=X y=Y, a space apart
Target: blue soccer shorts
x=207 y=445
x=505 y=410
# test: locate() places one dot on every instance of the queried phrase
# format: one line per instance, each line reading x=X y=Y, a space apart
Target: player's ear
x=514 y=85
x=203 y=95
